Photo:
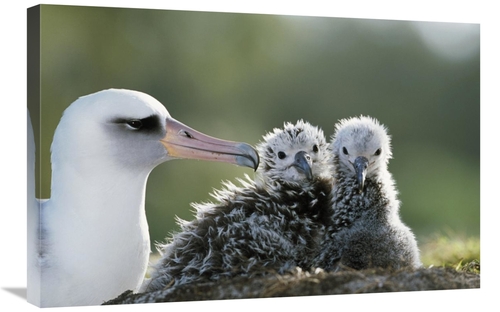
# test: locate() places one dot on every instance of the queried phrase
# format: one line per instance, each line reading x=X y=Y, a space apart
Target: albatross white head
x=361 y=148
x=94 y=234
x=131 y=130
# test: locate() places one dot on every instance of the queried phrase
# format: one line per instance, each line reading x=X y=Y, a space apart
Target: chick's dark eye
x=344 y=150
x=281 y=155
x=315 y=148
x=135 y=124
x=377 y=152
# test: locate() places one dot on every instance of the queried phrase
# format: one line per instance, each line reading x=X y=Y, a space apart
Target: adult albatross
x=90 y=242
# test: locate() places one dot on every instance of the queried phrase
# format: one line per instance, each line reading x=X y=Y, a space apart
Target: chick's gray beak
x=303 y=163
x=361 y=166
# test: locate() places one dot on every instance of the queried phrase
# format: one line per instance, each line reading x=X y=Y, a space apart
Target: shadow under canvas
x=21 y=292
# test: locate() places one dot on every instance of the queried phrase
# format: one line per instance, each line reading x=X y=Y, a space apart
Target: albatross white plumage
x=90 y=242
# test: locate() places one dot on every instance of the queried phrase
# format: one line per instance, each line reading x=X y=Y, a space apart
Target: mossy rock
x=301 y=283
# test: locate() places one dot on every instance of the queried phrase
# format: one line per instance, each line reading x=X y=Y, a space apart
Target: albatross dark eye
x=344 y=150
x=281 y=155
x=134 y=124
x=315 y=148
x=377 y=152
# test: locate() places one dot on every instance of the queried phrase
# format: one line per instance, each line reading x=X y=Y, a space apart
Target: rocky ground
x=308 y=284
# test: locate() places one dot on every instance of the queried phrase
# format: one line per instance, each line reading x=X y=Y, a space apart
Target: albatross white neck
x=104 y=235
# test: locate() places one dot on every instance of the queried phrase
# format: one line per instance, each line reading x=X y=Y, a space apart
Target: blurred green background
x=237 y=76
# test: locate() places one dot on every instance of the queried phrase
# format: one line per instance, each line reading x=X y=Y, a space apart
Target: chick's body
x=272 y=224
x=365 y=230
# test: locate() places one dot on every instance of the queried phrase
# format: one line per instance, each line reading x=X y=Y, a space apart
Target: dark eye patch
x=281 y=155
x=146 y=125
x=344 y=150
x=315 y=148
